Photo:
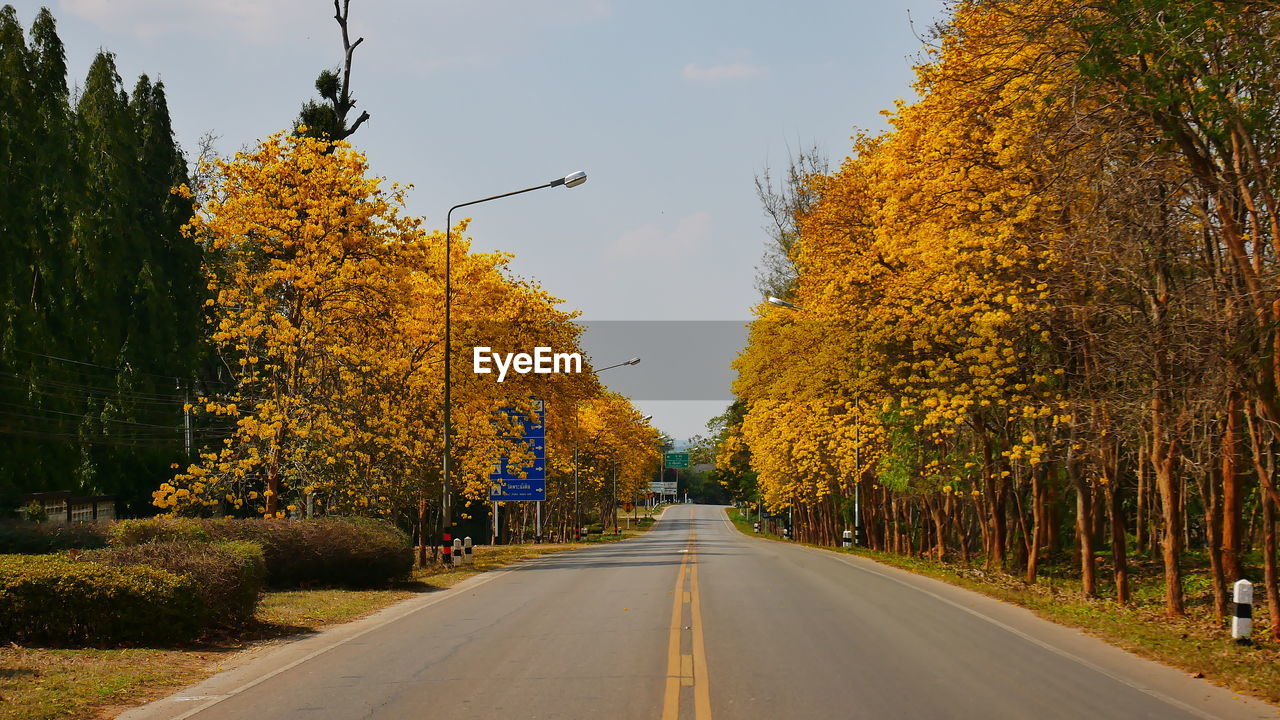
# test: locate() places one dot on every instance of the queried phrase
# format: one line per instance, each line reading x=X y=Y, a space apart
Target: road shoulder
x=1203 y=696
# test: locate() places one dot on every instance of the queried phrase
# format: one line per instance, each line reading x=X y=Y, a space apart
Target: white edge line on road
x=1007 y=628
x=481 y=580
x=445 y=595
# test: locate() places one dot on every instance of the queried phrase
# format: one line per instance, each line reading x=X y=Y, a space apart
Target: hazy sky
x=670 y=107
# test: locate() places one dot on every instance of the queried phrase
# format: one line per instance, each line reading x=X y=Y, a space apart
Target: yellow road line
x=687 y=669
x=701 y=683
x=671 y=699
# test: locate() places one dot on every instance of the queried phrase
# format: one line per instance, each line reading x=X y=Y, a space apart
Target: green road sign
x=677 y=460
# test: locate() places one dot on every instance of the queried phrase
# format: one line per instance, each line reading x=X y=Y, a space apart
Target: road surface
x=695 y=620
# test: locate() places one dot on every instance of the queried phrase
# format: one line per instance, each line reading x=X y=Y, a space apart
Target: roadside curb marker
x=1242 y=623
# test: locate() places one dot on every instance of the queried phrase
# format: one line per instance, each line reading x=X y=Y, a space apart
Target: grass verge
x=1197 y=643
x=38 y=683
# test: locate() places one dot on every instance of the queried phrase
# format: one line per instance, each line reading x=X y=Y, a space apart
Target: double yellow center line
x=687 y=669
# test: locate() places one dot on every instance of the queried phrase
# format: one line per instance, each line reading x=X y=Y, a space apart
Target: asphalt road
x=695 y=620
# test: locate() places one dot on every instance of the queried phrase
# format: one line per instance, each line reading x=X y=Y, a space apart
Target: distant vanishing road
x=694 y=620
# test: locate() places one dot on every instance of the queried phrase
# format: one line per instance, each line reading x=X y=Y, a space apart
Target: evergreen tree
x=100 y=296
x=15 y=198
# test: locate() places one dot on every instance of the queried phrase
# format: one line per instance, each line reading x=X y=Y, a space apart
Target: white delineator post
x=1242 y=623
x=457 y=552
x=466 y=550
x=848 y=538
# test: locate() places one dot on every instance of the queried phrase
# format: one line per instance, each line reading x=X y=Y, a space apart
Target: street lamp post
x=569 y=181
x=577 y=513
x=644 y=419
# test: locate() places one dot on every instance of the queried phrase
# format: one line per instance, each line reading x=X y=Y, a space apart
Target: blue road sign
x=509 y=484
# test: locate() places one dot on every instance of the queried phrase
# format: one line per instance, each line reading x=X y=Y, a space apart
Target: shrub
x=228 y=575
x=53 y=599
x=138 y=532
x=41 y=538
x=354 y=552
x=645 y=521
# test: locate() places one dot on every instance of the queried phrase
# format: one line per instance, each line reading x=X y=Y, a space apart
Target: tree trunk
x=1084 y=533
x=1140 y=525
x=422 y=530
x=939 y=529
x=1232 y=504
x=1119 y=540
x=1269 y=564
x=1162 y=462
x=1213 y=541
x=1037 y=521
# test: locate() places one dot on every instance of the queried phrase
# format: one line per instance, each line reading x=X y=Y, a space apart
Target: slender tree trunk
x=939 y=529
x=1164 y=452
x=980 y=519
x=1024 y=536
x=1084 y=532
x=422 y=529
x=1113 y=493
x=1140 y=525
x=1119 y=541
x=897 y=526
x=995 y=535
x=1208 y=493
x=1269 y=564
x=1162 y=460
x=1232 y=504
x=1037 y=521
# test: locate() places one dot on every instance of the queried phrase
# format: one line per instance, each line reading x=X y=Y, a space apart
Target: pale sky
x=670 y=107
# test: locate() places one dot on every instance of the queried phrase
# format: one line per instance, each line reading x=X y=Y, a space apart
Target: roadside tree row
x=1040 y=312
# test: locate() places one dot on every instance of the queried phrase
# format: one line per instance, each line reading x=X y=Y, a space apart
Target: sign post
x=514 y=484
x=676 y=461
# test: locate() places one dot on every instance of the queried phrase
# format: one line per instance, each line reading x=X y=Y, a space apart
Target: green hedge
x=229 y=575
x=53 y=599
x=351 y=552
x=24 y=538
x=140 y=532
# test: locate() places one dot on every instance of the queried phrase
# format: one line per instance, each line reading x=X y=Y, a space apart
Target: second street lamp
x=571 y=180
x=577 y=514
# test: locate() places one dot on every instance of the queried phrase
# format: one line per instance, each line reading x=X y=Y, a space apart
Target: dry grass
x=39 y=683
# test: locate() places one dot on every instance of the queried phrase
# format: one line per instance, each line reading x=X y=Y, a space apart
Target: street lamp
x=571 y=180
x=779 y=302
x=632 y=361
x=614 y=504
x=577 y=513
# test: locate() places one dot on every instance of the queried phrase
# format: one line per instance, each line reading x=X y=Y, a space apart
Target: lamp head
x=571 y=180
x=632 y=361
x=781 y=303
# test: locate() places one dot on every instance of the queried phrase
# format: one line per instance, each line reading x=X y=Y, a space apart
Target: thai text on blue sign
x=510 y=484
